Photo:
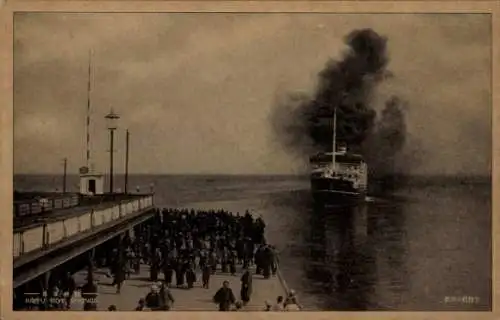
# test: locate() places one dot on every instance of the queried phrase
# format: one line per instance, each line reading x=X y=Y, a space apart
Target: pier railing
x=43 y=236
x=43 y=202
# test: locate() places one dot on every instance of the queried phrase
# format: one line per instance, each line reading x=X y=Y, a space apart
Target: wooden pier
x=44 y=246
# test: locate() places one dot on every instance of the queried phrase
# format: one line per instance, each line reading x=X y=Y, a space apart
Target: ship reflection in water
x=428 y=254
x=342 y=259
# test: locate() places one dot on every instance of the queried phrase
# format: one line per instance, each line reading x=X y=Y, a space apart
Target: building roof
x=95 y=175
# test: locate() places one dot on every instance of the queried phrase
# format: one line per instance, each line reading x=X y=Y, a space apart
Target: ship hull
x=335 y=191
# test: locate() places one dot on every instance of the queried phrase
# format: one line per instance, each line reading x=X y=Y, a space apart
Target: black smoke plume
x=382 y=147
x=304 y=123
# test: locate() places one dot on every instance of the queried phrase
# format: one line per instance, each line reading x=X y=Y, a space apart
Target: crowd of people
x=180 y=245
x=160 y=299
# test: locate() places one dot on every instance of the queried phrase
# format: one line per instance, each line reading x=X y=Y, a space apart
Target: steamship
x=339 y=175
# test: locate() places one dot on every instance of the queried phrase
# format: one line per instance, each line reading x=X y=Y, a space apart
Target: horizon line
x=253 y=174
x=174 y=174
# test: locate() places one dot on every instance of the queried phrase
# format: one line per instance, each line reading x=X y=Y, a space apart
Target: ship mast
x=334 y=142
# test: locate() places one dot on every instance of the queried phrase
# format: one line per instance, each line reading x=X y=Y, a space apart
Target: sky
x=196 y=90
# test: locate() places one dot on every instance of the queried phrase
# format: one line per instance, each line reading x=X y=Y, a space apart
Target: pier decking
x=195 y=299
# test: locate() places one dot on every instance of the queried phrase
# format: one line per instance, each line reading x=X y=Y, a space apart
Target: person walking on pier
x=206 y=273
x=203 y=258
x=136 y=249
x=259 y=260
x=129 y=262
x=267 y=260
x=246 y=286
x=166 y=297
x=249 y=255
x=154 y=263
x=212 y=260
x=180 y=273
x=168 y=270
x=240 y=249
x=190 y=276
x=224 y=297
x=259 y=227
x=224 y=259
x=119 y=277
x=232 y=262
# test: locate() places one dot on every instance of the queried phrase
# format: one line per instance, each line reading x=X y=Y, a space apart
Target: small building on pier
x=91 y=182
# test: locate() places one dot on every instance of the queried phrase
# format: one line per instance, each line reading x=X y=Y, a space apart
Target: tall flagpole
x=89 y=88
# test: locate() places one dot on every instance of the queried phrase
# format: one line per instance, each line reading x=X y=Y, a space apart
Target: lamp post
x=111 y=122
x=127 y=142
x=65 y=166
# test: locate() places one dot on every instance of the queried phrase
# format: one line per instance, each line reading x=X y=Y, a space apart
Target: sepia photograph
x=251 y=161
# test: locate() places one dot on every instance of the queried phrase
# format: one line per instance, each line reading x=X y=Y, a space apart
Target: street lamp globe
x=112 y=120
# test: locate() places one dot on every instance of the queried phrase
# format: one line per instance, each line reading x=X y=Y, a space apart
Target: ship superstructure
x=339 y=173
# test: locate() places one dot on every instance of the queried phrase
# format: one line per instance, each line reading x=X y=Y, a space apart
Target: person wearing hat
x=224 y=297
x=153 y=298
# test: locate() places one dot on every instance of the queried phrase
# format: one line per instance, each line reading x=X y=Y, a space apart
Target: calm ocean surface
x=416 y=254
